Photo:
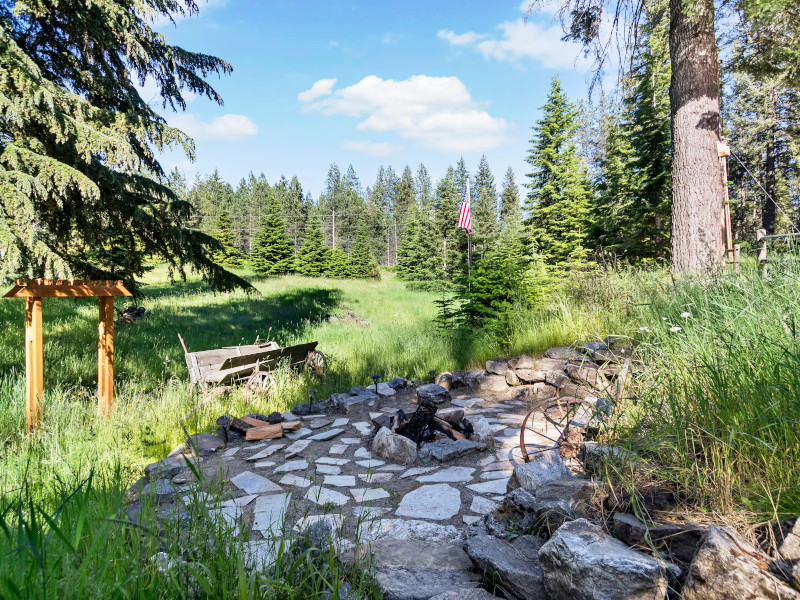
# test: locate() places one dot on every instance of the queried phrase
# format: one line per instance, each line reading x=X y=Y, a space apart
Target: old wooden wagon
x=232 y=363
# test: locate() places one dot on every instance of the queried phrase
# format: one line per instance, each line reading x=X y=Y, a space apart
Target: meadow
x=713 y=412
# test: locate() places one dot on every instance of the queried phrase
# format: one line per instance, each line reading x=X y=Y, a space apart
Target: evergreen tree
x=509 y=201
x=313 y=256
x=338 y=266
x=451 y=242
x=484 y=209
x=227 y=254
x=361 y=261
x=424 y=189
x=79 y=145
x=407 y=255
x=272 y=251
x=558 y=197
x=460 y=176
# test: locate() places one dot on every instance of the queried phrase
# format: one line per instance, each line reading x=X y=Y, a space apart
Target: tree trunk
x=768 y=215
x=697 y=191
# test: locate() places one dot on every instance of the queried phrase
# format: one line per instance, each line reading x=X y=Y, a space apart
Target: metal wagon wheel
x=555 y=425
x=316 y=364
x=260 y=382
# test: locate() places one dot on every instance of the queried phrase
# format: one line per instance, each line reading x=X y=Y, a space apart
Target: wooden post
x=737 y=256
x=34 y=371
x=105 y=356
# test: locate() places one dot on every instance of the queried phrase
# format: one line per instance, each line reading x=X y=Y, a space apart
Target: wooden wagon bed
x=223 y=365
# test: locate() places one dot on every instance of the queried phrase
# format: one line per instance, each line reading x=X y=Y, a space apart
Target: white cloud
x=225 y=127
x=378 y=149
x=460 y=39
x=521 y=39
x=437 y=111
x=320 y=88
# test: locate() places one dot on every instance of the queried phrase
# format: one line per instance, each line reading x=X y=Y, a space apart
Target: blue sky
x=369 y=83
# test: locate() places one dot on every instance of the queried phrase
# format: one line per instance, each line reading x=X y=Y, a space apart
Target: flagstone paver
x=369 y=494
x=266 y=452
x=320 y=495
x=326 y=435
x=252 y=483
x=449 y=475
x=436 y=502
x=296 y=480
x=328 y=469
x=269 y=512
x=330 y=460
x=371 y=463
x=296 y=435
x=340 y=480
x=292 y=465
x=493 y=486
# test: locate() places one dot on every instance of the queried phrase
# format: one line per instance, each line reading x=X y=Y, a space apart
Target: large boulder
x=582 y=562
x=531 y=375
x=203 y=444
x=561 y=500
x=444 y=450
x=726 y=567
x=492 y=383
x=521 y=362
x=517 y=512
x=496 y=367
x=546 y=466
x=565 y=353
x=482 y=430
x=677 y=541
x=514 y=567
x=433 y=393
x=394 y=447
x=417 y=570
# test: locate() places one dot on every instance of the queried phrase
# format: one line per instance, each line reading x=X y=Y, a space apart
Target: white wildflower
x=675 y=329
x=663 y=318
x=645 y=329
x=686 y=315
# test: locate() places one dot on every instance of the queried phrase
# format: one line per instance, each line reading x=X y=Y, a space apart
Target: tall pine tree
x=227 y=254
x=272 y=251
x=484 y=209
x=313 y=256
x=558 y=198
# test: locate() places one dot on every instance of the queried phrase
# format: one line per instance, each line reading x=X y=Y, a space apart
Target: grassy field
x=151 y=377
x=714 y=411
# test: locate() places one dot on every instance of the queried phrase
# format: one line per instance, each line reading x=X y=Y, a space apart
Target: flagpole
x=469 y=261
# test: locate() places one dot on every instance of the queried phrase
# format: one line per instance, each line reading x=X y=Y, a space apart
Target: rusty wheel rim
x=566 y=438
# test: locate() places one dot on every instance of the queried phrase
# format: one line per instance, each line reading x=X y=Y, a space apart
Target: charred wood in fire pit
x=421 y=421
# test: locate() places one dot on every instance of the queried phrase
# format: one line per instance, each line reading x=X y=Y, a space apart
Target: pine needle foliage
x=313 y=256
x=79 y=145
x=361 y=261
x=272 y=252
x=226 y=254
x=558 y=199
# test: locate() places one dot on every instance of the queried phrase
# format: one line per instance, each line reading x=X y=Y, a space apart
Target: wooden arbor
x=33 y=290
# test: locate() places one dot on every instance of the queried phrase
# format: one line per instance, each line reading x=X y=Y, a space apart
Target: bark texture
x=697 y=191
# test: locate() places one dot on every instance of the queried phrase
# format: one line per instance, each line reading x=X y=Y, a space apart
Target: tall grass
x=718 y=406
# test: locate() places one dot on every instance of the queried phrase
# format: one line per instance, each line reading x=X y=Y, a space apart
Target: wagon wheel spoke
x=542 y=435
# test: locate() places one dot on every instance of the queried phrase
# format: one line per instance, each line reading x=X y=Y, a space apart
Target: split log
x=290 y=425
x=267 y=432
x=456 y=435
x=254 y=422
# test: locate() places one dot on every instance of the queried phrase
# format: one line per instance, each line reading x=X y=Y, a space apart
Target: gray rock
x=512 y=379
x=726 y=567
x=581 y=561
x=453 y=415
x=521 y=362
x=355 y=402
x=358 y=390
x=563 y=500
x=160 y=491
x=557 y=379
x=417 y=570
x=251 y=483
x=493 y=487
x=589 y=348
x=398 y=383
x=515 y=569
x=326 y=435
x=432 y=393
x=550 y=364
x=564 y=353
x=790 y=549
x=517 y=513
x=465 y=594
x=546 y=466
x=338 y=400
x=384 y=389
x=394 y=447
x=496 y=367
x=408 y=529
x=269 y=513
x=492 y=383
x=449 y=475
x=203 y=444
x=322 y=496
x=165 y=468
x=678 y=542
x=482 y=430
x=586 y=375
x=445 y=450
x=531 y=375
x=434 y=502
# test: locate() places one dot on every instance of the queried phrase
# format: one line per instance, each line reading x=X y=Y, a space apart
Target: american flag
x=464 y=216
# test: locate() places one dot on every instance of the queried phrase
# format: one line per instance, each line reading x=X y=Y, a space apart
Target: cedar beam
x=34 y=372
x=105 y=356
